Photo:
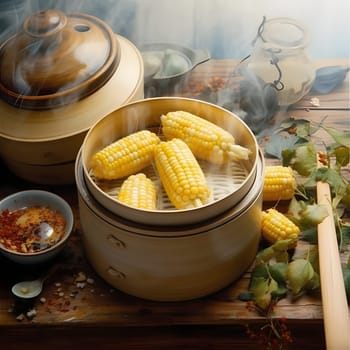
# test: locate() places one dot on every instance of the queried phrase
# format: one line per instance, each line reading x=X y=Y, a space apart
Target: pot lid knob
x=45 y=23
x=57 y=59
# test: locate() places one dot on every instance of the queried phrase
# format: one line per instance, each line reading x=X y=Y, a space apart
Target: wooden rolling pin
x=334 y=302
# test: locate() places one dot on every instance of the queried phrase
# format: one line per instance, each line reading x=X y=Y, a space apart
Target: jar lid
x=57 y=59
x=284 y=32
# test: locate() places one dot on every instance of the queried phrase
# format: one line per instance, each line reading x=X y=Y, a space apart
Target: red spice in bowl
x=34 y=226
x=20 y=229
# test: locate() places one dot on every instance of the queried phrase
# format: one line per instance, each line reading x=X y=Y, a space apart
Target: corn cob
x=279 y=183
x=126 y=156
x=206 y=140
x=138 y=191
x=276 y=226
x=181 y=176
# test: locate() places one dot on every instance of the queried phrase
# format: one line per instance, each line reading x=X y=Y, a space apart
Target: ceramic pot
x=58 y=76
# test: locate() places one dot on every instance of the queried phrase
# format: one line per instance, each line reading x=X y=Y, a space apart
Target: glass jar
x=279 y=58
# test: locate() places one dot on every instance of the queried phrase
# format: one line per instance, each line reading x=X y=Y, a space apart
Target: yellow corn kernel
x=276 y=226
x=138 y=191
x=181 y=175
x=279 y=183
x=207 y=140
x=126 y=156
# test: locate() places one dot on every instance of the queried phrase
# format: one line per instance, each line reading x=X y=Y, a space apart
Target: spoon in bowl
x=44 y=231
x=44 y=236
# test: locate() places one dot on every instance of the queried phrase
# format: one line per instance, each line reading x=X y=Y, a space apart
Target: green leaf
x=260 y=271
x=264 y=256
x=246 y=296
x=332 y=177
x=312 y=215
x=258 y=285
x=311 y=255
x=278 y=272
x=289 y=123
x=342 y=155
x=309 y=235
x=313 y=284
x=278 y=143
x=303 y=130
x=282 y=257
x=345 y=197
x=287 y=157
x=302 y=127
x=345 y=236
x=303 y=159
x=306 y=215
x=262 y=290
x=282 y=245
x=280 y=292
x=336 y=181
x=299 y=273
x=346 y=274
x=279 y=247
x=342 y=137
x=295 y=207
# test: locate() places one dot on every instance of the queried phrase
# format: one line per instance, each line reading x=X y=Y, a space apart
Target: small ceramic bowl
x=166 y=66
x=37 y=199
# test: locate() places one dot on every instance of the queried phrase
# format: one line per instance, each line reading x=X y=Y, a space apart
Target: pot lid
x=57 y=59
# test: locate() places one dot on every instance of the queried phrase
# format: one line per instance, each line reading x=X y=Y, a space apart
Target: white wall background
x=225 y=27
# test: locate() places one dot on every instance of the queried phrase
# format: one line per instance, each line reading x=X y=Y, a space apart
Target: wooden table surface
x=95 y=315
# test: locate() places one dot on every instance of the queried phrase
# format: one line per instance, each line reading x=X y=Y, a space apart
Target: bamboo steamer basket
x=171 y=263
x=78 y=72
x=228 y=186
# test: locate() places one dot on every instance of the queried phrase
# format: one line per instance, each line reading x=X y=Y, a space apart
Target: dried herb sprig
x=274 y=334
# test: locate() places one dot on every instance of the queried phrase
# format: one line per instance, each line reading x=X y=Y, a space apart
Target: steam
x=225 y=28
